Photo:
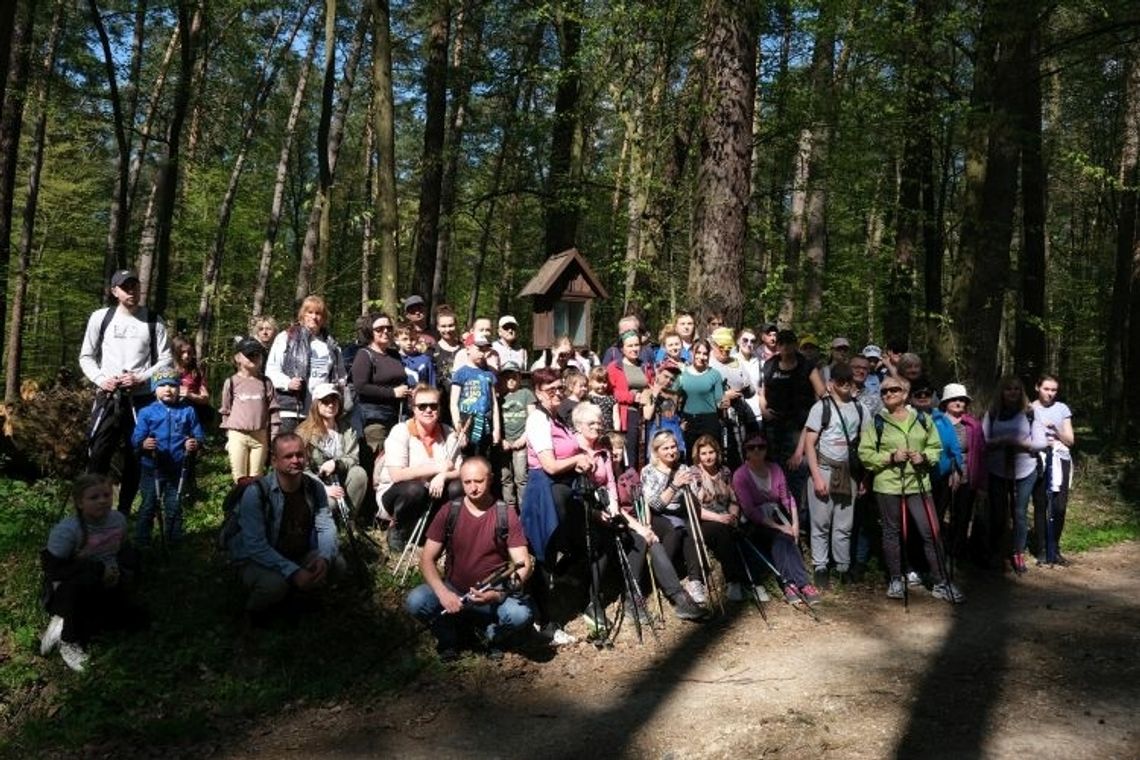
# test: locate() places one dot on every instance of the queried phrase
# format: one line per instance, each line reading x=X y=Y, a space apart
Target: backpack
x=232 y=501
x=879 y=427
x=502 y=527
x=152 y=328
x=854 y=462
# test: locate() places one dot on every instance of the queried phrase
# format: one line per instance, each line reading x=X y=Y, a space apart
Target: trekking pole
x=642 y=515
x=342 y=515
x=405 y=560
x=903 y=537
x=935 y=532
x=702 y=549
x=632 y=592
x=601 y=629
x=1050 y=528
x=160 y=508
x=752 y=583
x=780 y=577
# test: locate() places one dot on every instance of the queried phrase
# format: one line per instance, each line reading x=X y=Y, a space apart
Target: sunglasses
x=749 y=341
x=892 y=389
x=922 y=394
x=381 y=328
x=428 y=407
x=553 y=389
x=510 y=328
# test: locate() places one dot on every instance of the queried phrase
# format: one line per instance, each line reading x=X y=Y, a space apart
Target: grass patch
x=1104 y=506
x=189 y=678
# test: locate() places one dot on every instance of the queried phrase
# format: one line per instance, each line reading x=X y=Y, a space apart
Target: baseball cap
x=922 y=384
x=123 y=276
x=723 y=337
x=872 y=351
x=840 y=342
x=249 y=347
x=786 y=336
x=842 y=372
x=411 y=301
x=809 y=340
x=165 y=376
x=769 y=327
x=324 y=390
x=510 y=367
x=507 y=319
x=668 y=365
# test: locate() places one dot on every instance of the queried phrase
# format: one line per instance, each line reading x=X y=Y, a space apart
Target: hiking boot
x=736 y=592
x=697 y=591
x=948 y=592
x=810 y=594
x=50 y=639
x=1018 y=563
x=396 y=542
x=555 y=636
x=595 y=619
x=896 y=589
x=821 y=578
x=633 y=611
x=73 y=656
x=761 y=593
x=1062 y=560
x=791 y=594
x=685 y=608
x=913 y=579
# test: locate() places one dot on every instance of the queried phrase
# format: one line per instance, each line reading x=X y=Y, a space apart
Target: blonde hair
x=313 y=303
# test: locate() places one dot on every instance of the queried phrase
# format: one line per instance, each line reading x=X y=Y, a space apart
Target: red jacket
x=622 y=394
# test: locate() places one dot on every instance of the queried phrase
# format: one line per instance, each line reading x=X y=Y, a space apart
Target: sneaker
x=736 y=592
x=821 y=578
x=73 y=656
x=913 y=579
x=1061 y=560
x=595 y=620
x=685 y=608
x=697 y=591
x=949 y=592
x=761 y=593
x=810 y=594
x=1018 y=562
x=50 y=639
x=637 y=612
x=896 y=590
x=562 y=639
x=791 y=594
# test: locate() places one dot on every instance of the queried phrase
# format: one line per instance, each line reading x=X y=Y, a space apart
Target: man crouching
x=487 y=564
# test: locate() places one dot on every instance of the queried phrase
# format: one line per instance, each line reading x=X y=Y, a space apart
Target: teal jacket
x=907 y=434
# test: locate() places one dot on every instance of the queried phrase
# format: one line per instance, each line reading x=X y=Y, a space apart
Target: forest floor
x=1043 y=665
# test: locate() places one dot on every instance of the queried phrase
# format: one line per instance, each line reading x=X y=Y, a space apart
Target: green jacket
x=907 y=434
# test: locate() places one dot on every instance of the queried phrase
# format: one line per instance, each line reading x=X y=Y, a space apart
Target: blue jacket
x=255 y=540
x=951 y=458
x=171 y=425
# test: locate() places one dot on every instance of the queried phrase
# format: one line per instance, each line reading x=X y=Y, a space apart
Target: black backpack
x=854 y=461
x=502 y=527
x=879 y=427
x=152 y=327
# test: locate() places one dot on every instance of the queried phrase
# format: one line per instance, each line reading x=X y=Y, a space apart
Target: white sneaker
x=762 y=593
x=913 y=579
x=73 y=655
x=697 y=591
x=735 y=592
x=50 y=639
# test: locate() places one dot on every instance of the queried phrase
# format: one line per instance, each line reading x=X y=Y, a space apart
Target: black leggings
x=678 y=537
x=1060 y=505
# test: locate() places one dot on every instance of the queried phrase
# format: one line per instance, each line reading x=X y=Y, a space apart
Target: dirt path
x=1042 y=666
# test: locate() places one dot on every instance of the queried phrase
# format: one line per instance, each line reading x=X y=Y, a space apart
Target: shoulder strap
x=825 y=415
x=152 y=329
x=452 y=519
x=878 y=431
x=502 y=526
x=922 y=421
x=266 y=508
x=103 y=331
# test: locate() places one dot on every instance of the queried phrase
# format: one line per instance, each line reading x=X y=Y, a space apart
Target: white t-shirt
x=1054 y=414
x=833 y=442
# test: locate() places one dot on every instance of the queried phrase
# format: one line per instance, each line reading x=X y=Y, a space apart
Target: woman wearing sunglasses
x=900 y=449
x=381 y=386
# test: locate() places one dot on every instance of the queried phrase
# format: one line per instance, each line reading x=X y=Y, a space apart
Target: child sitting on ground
x=88 y=569
x=166 y=433
x=249 y=412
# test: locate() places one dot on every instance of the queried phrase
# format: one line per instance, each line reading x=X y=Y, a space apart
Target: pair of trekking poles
x=945 y=567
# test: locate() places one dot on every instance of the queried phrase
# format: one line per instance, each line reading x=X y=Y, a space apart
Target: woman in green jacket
x=899 y=449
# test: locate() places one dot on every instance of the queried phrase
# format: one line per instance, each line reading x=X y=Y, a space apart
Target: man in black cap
x=768 y=341
x=122 y=347
x=415 y=313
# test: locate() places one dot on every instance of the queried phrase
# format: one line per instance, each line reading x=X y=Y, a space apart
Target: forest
x=960 y=175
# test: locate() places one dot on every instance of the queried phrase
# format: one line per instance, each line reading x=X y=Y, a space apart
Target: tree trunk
x=116 y=254
x=14 y=347
x=720 y=216
x=261 y=289
x=794 y=238
x=139 y=154
x=815 y=211
x=7 y=29
x=1030 y=352
x=979 y=288
x=11 y=121
x=384 y=126
x=190 y=22
x=367 y=241
x=431 y=161
x=336 y=135
x=469 y=22
x=562 y=195
x=1121 y=352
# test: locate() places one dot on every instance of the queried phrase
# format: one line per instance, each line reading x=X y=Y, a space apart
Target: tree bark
x=431 y=160
x=1030 y=352
x=139 y=154
x=562 y=195
x=384 y=127
x=979 y=288
x=336 y=135
x=14 y=347
x=273 y=225
x=367 y=241
x=815 y=211
x=720 y=216
x=1122 y=349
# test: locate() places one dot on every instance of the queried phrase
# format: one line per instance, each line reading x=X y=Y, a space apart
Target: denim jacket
x=255 y=541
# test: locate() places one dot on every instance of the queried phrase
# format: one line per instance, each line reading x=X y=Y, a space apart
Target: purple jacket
x=752 y=498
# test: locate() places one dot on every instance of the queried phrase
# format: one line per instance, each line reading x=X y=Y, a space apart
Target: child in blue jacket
x=166 y=433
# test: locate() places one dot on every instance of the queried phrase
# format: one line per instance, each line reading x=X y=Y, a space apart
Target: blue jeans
x=150 y=485
x=497 y=620
x=1000 y=504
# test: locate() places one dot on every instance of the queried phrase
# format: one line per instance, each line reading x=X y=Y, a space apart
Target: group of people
x=539 y=479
